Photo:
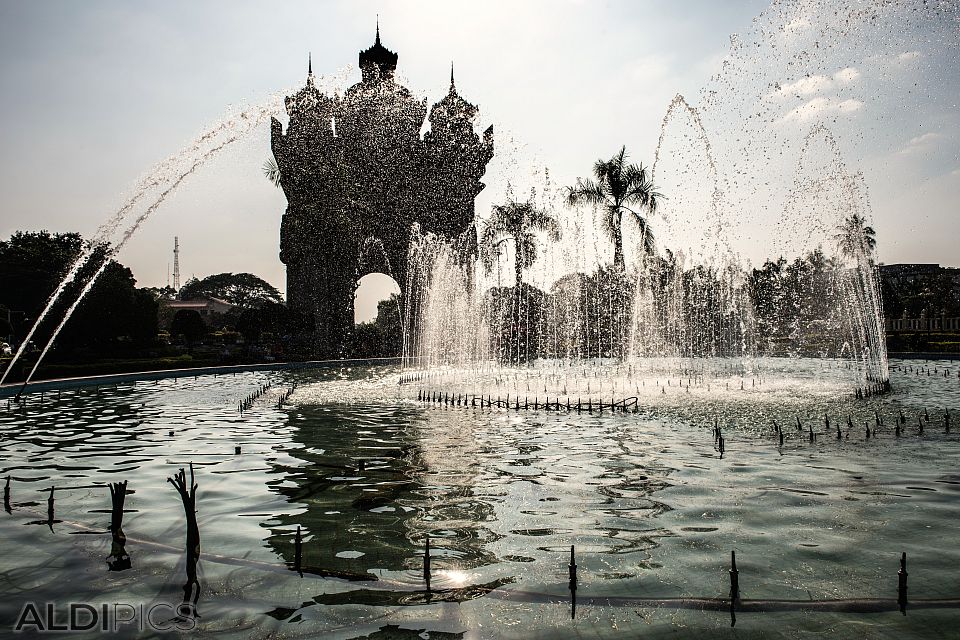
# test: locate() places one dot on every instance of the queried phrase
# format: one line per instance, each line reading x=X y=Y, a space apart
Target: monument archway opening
x=373 y=290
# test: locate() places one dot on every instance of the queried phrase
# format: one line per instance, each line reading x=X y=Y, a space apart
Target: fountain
x=745 y=172
x=588 y=330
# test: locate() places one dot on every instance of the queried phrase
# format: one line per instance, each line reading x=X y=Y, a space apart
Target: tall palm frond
x=585 y=191
x=520 y=224
x=491 y=240
x=272 y=171
x=854 y=237
x=540 y=220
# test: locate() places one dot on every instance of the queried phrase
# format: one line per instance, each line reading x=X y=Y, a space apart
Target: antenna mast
x=176 y=265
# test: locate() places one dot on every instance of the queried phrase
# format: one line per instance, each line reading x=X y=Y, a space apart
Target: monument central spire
x=378 y=62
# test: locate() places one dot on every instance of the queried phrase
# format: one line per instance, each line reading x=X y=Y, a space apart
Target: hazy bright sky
x=96 y=93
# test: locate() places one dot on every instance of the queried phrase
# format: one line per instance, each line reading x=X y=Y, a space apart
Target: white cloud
x=796 y=25
x=927 y=137
x=892 y=60
x=849 y=74
x=806 y=86
x=821 y=106
x=919 y=142
x=850 y=105
x=814 y=84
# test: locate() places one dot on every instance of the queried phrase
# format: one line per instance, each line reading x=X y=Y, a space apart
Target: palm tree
x=854 y=238
x=619 y=188
x=271 y=170
x=519 y=223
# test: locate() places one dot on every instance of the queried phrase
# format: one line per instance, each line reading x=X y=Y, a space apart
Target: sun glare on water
x=456 y=577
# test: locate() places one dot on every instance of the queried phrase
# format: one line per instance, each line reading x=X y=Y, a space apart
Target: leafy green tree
x=796 y=304
x=107 y=312
x=244 y=290
x=270 y=317
x=517 y=223
x=145 y=317
x=619 y=187
x=32 y=264
x=162 y=293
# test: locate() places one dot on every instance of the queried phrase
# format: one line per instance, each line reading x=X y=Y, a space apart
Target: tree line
x=117 y=319
x=793 y=304
x=113 y=315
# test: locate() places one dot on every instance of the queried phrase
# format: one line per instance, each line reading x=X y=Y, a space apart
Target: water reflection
x=499 y=496
x=51 y=512
x=191 y=588
x=369 y=488
x=118 y=560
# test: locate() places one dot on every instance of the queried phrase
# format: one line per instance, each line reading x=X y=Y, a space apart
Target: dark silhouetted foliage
x=244 y=290
x=620 y=188
x=383 y=336
x=189 y=324
x=32 y=264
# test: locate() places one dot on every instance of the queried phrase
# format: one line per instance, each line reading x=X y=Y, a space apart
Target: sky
x=96 y=94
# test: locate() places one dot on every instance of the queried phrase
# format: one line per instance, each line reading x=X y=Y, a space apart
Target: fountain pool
x=369 y=473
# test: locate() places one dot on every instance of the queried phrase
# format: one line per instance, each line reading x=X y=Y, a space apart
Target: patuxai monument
x=358 y=175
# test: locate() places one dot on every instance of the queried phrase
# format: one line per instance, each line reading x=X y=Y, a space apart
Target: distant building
x=941 y=323
x=921 y=297
x=207 y=308
x=899 y=275
x=358 y=174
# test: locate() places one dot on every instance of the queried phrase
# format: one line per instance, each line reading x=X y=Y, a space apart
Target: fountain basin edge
x=11 y=390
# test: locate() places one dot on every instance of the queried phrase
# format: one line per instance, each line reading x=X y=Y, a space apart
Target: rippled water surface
x=368 y=474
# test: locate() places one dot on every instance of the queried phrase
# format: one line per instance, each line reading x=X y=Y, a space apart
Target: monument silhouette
x=358 y=175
